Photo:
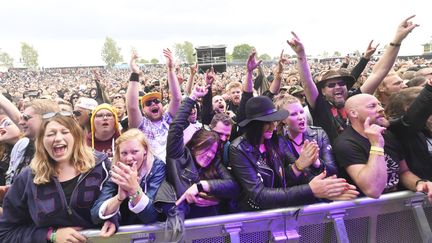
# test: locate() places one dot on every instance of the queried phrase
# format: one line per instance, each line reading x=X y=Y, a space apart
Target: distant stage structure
x=208 y=56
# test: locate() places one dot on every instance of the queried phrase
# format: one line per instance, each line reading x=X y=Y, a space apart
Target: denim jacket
x=149 y=185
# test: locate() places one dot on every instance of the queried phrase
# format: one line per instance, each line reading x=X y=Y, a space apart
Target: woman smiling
x=51 y=200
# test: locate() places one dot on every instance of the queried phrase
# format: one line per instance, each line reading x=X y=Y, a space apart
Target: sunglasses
x=26 y=117
x=150 y=102
x=76 y=113
x=332 y=85
x=53 y=114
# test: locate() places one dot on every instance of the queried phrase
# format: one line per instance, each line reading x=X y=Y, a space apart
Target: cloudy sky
x=67 y=33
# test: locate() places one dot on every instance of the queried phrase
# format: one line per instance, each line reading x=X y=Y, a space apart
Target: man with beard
x=326 y=98
x=155 y=122
x=234 y=89
x=369 y=156
x=392 y=84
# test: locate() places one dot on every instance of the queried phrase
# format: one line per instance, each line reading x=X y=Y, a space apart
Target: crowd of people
x=100 y=148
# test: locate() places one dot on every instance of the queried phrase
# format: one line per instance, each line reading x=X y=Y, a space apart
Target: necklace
x=297 y=144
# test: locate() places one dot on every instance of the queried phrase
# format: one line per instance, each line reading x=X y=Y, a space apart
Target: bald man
x=369 y=156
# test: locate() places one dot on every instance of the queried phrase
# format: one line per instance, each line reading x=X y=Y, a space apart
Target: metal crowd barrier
x=395 y=217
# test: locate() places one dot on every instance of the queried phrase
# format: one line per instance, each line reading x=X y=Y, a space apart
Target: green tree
x=337 y=54
x=154 y=61
x=325 y=54
x=6 y=60
x=142 y=60
x=265 y=57
x=184 y=51
x=111 y=53
x=29 y=55
x=229 y=57
x=241 y=52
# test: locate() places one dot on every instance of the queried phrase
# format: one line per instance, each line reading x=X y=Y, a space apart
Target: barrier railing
x=395 y=217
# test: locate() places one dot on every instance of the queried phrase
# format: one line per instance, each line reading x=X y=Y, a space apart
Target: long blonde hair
x=135 y=134
x=43 y=166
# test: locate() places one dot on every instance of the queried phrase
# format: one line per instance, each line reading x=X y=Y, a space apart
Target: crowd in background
x=94 y=147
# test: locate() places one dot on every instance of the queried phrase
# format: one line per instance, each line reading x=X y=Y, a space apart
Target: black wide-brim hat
x=261 y=108
x=341 y=73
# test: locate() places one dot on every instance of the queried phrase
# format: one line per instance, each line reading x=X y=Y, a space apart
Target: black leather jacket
x=258 y=182
x=325 y=156
x=182 y=170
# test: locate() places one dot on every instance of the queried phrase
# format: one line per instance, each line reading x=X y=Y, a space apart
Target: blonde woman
x=136 y=175
x=51 y=199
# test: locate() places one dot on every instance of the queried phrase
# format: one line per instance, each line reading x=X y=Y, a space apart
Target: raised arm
x=193 y=70
x=385 y=63
x=10 y=109
x=275 y=85
x=361 y=65
x=173 y=84
x=132 y=98
x=252 y=64
x=309 y=86
x=175 y=144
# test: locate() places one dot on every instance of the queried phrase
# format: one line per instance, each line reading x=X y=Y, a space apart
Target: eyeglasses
x=103 y=115
x=26 y=117
x=332 y=85
x=76 y=113
x=53 y=114
x=150 y=102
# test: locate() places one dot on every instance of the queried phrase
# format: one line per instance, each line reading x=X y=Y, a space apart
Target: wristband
x=376 y=152
x=200 y=187
x=134 y=77
x=377 y=149
x=299 y=168
x=53 y=236
x=420 y=180
x=50 y=230
x=137 y=193
x=395 y=44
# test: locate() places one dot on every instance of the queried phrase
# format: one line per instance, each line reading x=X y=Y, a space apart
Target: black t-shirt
x=68 y=187
x=323 y=117
x=352 y=148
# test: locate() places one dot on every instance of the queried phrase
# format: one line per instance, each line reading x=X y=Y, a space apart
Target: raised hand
x=296 y=44
x=133 y=65
x=199 y=91
x=370 y=50
x=252 y=63
x=282 y=61
x=374 y=133
x=210 y=76
x=169 y=58
x=193 y=69
x=404 y=29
